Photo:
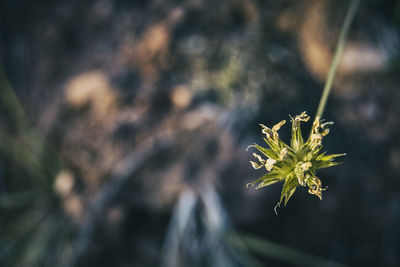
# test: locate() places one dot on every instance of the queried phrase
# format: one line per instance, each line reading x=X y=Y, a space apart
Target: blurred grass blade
x=278 y=252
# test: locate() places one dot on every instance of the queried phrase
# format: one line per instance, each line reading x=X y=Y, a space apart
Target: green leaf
x=330 y=157
x=265 y=180
x=289 y=195
x=283 y=168
x=328 y=164
x=289 y=188
x=268 y=182
x=267 y=152
x=283 y=144
x=271 y=144
x=297 y=138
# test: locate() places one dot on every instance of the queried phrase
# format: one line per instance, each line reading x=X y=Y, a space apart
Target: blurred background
x=124 y=127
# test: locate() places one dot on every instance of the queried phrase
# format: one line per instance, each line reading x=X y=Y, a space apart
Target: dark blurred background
x=124 y=126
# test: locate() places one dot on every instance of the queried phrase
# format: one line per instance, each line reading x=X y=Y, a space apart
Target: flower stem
x=338 y=54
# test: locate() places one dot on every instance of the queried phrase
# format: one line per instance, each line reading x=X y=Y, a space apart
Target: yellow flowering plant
x=295 y=165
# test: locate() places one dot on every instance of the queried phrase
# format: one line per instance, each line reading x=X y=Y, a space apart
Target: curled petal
x=299 y=173
x=297 y=138
x=315 y=188
x=275 y=129
x=326 y=123
x=302 y=117
x=306 y=166
x=316 y=124
x=265 y=130
x=315 y=141
x=283 y=153
x=260 y=159
x=300 y=180
x=278 y=126
x=325 y=132
x=255 y=165
x=269 y=164
x=247 y=149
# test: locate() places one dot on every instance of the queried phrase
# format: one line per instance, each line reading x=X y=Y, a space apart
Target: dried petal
x=315 y=141
x=255 y=165
x=269 y=164
x=275 y=130
x=283 y=153
x=265 y=130
x=260 y=159
x=315 y=187
x=306 y=166
x=302 y=117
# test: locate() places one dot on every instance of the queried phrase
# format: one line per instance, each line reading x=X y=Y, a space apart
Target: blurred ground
x=124 y=126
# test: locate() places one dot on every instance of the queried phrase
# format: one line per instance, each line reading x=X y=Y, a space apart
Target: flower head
x=295 y=165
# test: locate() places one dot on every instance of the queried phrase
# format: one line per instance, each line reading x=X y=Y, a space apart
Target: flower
x=295 y=165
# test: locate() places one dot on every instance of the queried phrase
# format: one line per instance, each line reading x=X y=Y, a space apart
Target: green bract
x=295 y=164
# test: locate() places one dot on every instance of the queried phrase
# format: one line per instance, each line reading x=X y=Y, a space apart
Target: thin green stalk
x=338 y=54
